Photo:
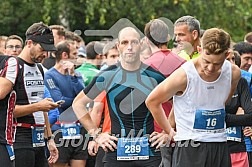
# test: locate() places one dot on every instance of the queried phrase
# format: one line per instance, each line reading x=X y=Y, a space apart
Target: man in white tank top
x=200 y=89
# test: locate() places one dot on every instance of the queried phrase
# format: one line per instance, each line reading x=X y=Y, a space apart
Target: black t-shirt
x=241 y=98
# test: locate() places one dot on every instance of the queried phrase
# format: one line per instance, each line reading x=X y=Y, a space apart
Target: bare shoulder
x=179 y=75
x=177 y=80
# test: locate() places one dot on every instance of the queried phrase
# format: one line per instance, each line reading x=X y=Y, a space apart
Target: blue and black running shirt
x=126 y=92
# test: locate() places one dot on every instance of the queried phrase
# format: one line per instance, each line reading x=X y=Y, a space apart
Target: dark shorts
x=99 y=158
x=4 y=157
x=201 y=154
x=32 y=157
x=166 y=154
x=110 y=160
x=71 y=149
x=250 y=158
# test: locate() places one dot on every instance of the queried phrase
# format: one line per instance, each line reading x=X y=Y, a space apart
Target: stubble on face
x=37 y=54
x=129 y=45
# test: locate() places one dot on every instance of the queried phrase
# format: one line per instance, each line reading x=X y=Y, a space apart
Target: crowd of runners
x=129 y=101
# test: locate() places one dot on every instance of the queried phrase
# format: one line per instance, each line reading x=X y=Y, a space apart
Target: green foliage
x=16 y=16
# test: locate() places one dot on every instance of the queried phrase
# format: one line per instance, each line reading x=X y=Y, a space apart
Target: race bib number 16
x=209 y=121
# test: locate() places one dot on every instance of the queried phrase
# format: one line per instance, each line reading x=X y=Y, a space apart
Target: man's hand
x=46 y=105
x=159 y=139
x=247 y=131
x=68 y=66
x=54 y=154
x=106 y=141
x=240 y=111
x=93 y=148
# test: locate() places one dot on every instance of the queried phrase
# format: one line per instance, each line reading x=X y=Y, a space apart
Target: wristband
x=50 y=137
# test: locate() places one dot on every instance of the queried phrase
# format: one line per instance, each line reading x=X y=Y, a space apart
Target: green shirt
x=88 y=72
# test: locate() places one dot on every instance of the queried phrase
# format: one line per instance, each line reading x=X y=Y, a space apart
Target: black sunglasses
x=42 y=31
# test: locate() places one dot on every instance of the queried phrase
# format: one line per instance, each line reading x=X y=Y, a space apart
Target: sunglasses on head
x=42 y=31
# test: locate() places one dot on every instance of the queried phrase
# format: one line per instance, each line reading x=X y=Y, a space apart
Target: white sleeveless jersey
x=199 y=111
x=30 y=90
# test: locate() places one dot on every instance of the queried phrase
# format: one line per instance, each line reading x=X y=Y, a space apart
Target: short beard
x=35 y=60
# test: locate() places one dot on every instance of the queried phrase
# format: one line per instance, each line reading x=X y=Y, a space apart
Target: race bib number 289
x=133 y=148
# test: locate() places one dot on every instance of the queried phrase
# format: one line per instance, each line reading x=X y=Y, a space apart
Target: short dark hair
x=157 y=32
x=34 y=28
x=243 y=48
x=61 y=31
x=78 y=38
x=73 y=36
x=237 y=58
x=94 y=48
x=108 y=46
x=63 y=46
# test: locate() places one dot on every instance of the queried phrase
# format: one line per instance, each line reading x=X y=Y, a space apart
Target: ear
x=199 y=49
x=227 y=53
x=195 y=34
x=117 y=45
x=64 y=55
x=29 y=43
x=98 y=56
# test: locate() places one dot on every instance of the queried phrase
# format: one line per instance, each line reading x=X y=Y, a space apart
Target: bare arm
x=174 y=84
x=43 y=105
x=48 y=131
x=5 y=87
x=171 y=119
x=8 y=76
x=96 y=113
x=79 y=107
x=54 y=154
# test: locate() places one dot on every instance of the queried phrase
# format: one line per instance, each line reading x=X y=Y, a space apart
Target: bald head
x=129 y=48
x=126 y=31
